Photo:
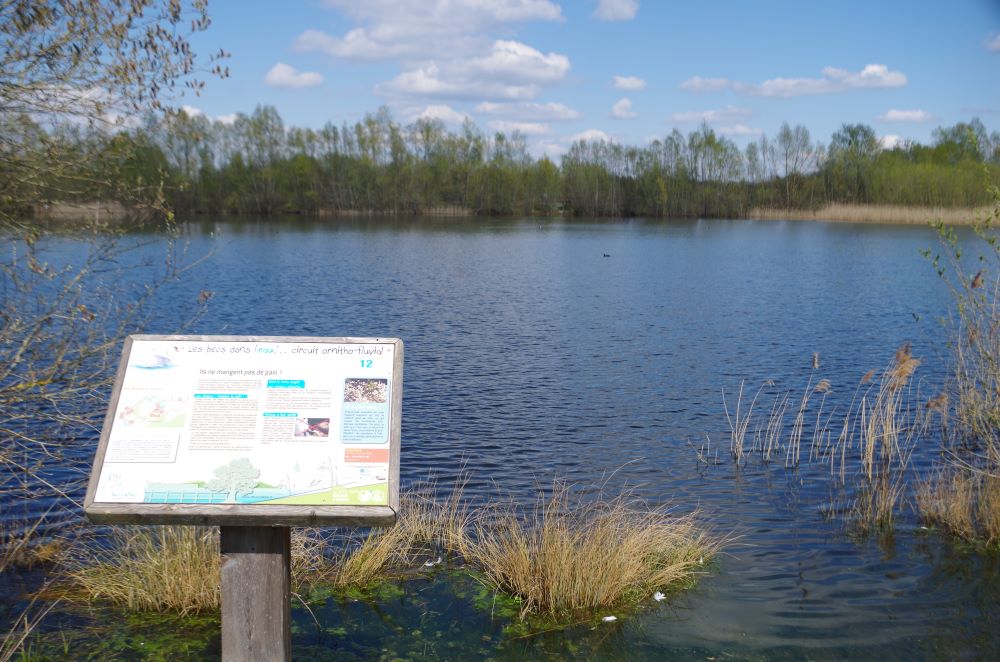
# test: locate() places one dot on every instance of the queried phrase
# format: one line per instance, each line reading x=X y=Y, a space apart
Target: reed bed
x=963 y=496
x=867 y=448
x=571 y=556
x=888 y=214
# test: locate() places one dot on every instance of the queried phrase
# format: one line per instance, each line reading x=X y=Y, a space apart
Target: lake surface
x=597 y=351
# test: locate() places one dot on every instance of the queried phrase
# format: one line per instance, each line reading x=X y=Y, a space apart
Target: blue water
x=530 y=356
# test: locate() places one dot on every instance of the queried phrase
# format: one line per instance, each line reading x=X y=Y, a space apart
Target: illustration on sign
x=251 y=423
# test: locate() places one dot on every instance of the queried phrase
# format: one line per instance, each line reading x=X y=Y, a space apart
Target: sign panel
x=250 y=430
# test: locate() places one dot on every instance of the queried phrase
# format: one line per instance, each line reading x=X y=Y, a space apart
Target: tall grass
x=569 y=556
x=963 y=496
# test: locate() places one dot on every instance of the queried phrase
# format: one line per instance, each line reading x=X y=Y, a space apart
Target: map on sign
x=265 y=421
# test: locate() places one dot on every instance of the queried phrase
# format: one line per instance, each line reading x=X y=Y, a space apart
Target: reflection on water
x=531 y=356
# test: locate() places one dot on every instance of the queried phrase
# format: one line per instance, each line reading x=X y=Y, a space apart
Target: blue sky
x=623 y=70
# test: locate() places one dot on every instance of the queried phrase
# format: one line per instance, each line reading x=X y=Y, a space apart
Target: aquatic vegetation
x=868 y=459
x=963 y=496
x=163 y=568
x=569 y=556
x=566 y=559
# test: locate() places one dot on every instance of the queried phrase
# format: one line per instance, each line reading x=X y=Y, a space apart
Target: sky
x=628 y=71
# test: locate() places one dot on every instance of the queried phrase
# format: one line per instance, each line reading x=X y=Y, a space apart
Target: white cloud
x=629 y=82
x=514 y=61
x=422 y=29
x=194 y=111
x=710 y=116
x=833 y=80
x=511 y=70
x=906 y=116
x=622 y=109
x=699 y=84
x=457 y=49
x=527 y=128
x=283 y=75
x=993 y=43
x=430 y=82
x=446 y=114
x=530 y=111
x=740 y=130
x=616 y=10
x=890 y=141
x=590 y=135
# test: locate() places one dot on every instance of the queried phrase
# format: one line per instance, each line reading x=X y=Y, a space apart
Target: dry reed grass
x=964 y=502
x=24 y=548
x=888 y=214
x=569 y=556
x=160 y=569
x=870 y=454
x=964 y=496
x=565 y=557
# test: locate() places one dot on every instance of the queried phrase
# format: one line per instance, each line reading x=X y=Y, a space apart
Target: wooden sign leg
x=256 y=590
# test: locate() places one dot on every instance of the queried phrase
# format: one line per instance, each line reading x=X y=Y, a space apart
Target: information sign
x=249 y=431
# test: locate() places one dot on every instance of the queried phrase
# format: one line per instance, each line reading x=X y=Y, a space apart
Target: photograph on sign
x=250 y=422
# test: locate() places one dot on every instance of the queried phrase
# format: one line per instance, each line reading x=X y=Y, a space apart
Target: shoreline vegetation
x=568 y=559
x=875 y=214
x=112 y=213
x=180 y=166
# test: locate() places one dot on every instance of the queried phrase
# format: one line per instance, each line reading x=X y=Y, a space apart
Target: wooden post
x=256 y=589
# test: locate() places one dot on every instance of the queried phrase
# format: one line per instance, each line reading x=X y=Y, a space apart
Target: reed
x=963 y=497
x=870 y=455
x=160 y=569
x=887 y=214
x=568 y=556
x=964 y=502
x=738 y=425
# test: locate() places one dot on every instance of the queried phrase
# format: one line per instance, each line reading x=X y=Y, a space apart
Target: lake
x=597 y=352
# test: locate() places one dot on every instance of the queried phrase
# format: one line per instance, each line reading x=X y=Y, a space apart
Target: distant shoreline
x=111 y=212
x=881 y=214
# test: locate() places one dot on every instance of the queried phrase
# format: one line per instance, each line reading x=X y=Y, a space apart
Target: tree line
x=257 y=165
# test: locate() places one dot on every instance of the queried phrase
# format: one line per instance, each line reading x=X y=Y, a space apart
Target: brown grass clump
x=441 y=524
x=964 y=502
x=164 y=568
x=25 y=548
x=572 y=556
x=893 y=214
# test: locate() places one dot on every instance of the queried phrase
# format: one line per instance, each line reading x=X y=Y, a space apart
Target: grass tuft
x=569 y=556
x=159 y=569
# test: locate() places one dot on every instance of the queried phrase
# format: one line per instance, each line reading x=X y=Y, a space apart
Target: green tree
x=850 y=160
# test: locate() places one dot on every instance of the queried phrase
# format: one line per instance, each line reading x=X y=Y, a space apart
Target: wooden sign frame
x=133 y=510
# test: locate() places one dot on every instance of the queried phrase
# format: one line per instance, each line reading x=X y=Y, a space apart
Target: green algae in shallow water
x=447 y=614
x=118 y=635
